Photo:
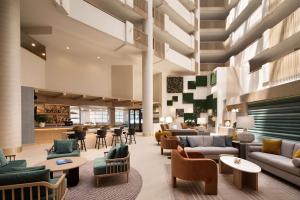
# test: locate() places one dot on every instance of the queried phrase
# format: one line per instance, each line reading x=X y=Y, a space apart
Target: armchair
x=63 y=148
x=195 y=168
x=168 y=142
x=11 y=163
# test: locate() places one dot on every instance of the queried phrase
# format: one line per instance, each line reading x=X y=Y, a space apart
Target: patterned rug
x=111 y=188
x=269 y=188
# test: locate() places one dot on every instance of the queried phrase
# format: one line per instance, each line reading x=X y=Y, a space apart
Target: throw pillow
x=228 y=141
x=184 y=141
x=181 y=151
x=63 y=146
x=121 y=151
x=111 y=153
x=296 y=162
x=3 y=160
x=219 y=141
x=272 y=146
x=297 y=154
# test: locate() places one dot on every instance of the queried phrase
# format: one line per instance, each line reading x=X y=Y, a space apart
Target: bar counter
x=48 y=134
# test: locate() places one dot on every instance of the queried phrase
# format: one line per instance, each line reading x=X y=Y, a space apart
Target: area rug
x=269 y=188
x=111 y=188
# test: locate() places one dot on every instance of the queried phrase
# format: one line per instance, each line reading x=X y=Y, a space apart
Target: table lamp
x=245 y=122
x=201 y=121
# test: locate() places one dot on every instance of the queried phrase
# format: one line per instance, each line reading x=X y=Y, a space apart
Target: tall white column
x=10 y=87
x=148 y=75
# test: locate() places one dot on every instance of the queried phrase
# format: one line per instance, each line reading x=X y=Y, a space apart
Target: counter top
x=53 y=128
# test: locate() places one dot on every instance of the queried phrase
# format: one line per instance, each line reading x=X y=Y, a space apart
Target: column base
x=12 y=151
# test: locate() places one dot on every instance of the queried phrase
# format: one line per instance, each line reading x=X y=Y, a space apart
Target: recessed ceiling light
x=67 y=47
x=33 y=44
x=98 y=57
x=43 y=54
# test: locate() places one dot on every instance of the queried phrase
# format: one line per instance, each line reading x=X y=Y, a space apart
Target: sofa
x=210 y=146
x=64 y=148
x=279 y=165
x=190 y=167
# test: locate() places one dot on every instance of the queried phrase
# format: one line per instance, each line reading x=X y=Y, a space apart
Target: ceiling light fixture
x=67 y=47
x=98 y=57
x=43 y=54
x=33 y=44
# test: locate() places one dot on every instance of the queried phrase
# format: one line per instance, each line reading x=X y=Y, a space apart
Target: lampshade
x=245 y=122
x=161 y=119
x=169 y=119
x=201 y=120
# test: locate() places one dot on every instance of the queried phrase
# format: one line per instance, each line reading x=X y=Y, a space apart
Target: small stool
x=101 y=135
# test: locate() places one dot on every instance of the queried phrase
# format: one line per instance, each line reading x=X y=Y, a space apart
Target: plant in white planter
x=41 y=119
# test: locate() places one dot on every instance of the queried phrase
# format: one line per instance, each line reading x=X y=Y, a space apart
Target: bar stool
x=131 y=135
x=117 y=135
x=101 y=135
x=80 y=136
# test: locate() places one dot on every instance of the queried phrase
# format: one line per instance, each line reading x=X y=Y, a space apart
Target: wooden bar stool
x=101 y=136
x=117 y=136
x=131 y=135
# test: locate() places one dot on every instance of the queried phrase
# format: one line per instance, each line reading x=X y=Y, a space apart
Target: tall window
x=94 y=115
x=99 y=116
x=119 y=116
x=75 y=114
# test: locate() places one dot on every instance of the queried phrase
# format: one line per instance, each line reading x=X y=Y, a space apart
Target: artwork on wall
x=180 y=112
x=191 y=85
x=175 y=98
x=174 y=84
x=169 y=103
x=201 y=81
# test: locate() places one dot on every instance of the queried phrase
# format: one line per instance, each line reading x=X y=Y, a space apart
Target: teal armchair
x=8 y=162
x=64 y=148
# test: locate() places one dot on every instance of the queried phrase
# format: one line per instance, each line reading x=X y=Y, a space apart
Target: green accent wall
x=190 y=116
x=191 y=85
x=169 y=103
x=201 y=81
x=187 y=98
x=175 y=98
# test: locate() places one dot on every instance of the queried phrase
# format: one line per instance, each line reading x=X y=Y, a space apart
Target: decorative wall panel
x=174 y=84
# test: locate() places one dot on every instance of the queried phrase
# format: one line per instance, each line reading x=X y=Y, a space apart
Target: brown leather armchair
x=168 y=142
x=195 y=169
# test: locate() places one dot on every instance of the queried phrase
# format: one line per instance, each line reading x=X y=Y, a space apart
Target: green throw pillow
x=111 y=153
x=63 y=146
x=122 y=151
x=3 y=160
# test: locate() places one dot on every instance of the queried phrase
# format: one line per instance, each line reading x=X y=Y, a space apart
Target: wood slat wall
x=277 y=118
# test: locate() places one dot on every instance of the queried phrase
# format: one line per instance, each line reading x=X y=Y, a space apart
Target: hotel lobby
x=150 y=99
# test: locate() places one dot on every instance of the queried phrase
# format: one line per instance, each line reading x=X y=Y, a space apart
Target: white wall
x=76 y=74
x=137 y=82
x=33 y=70
x=122 y=81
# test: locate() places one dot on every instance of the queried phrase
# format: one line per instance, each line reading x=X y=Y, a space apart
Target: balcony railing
x=212 y=24
x=159 y=19
x=211 y=46
x=140 y=38
x=159 y=48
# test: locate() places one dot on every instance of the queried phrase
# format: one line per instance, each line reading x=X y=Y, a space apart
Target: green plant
x=41 y=118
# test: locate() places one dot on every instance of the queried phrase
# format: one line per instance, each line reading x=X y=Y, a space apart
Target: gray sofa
x=279 y=165
x=210 y=146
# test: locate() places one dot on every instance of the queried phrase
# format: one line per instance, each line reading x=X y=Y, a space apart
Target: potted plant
x=41 y=119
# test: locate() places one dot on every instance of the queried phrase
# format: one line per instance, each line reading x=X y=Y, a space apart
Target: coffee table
x=245 y=173
x=70 y=169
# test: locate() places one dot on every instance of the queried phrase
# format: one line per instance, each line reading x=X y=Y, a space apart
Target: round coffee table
x=245 y=173
x=70 y=169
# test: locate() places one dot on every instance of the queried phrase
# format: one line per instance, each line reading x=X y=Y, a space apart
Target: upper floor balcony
x=179 y=14
x=167 y=59
x=190 y=4
x=131 y=10
x=122 y=30
x=166 y=30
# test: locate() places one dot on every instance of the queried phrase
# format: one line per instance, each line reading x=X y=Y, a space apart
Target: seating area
x=150 y=99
